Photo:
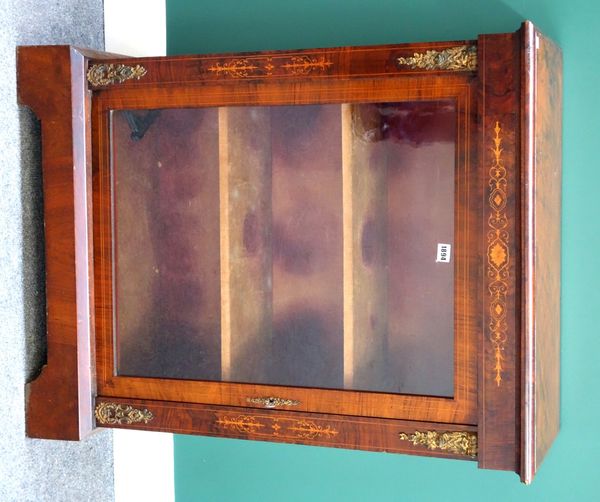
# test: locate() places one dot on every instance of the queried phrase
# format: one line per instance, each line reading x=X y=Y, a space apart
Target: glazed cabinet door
x=271 y=232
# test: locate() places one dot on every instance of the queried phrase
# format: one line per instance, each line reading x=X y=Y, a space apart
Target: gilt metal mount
x=121 y=414
x=461 y=58
x=100 y=75
x=460 y=443
x=272 y=402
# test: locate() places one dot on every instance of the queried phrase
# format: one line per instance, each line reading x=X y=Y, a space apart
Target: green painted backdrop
x=209 y=469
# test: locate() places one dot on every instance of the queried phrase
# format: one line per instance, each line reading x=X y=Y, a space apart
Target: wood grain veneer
x=506 y=238
x=316 y=429
x=461 y=407
x=541 y=216
x=499 y=126
x=51 y=81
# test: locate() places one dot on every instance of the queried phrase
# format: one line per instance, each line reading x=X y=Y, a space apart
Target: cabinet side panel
x=541 y=174
x=499 y=367
x=52 y=82
x=59 y=400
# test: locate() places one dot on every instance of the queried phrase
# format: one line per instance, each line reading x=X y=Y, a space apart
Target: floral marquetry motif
x=309 y=430
x=269 y=67
x=498 y=254
x=281 y=427
x=303 y=65
x=239 y=68
x=241 y=423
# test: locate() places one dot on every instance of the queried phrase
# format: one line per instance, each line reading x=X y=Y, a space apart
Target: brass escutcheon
x=272 y=402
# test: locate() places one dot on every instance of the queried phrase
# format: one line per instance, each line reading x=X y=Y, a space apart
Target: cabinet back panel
x=241 y=209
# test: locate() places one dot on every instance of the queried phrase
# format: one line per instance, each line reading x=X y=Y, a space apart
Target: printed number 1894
x=443 y=253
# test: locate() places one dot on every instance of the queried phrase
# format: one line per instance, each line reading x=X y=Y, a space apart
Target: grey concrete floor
x=35 y=470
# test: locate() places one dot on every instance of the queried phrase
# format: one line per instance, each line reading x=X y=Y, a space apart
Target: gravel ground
x=35 y=470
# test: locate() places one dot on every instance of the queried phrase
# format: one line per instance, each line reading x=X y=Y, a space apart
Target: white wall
x=135 y=27
x=143 y=461
x=143 y=466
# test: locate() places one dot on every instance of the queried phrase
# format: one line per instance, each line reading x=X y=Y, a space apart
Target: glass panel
x=287 y=245
x=167 y=244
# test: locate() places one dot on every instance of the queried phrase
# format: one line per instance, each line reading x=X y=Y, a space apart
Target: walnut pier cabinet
x=353 y=247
